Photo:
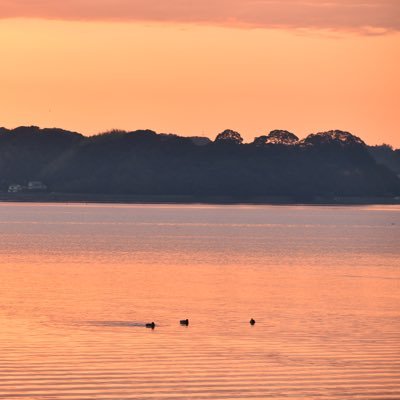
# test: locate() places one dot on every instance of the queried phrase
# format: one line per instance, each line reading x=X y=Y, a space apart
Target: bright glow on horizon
x=197 y=79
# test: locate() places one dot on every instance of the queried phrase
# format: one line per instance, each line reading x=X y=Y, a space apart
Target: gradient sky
x=197 y=67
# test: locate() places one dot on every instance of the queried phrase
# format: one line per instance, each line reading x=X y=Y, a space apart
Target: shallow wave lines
x=172 y=368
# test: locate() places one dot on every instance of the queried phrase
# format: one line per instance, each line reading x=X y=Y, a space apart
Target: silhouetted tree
x=282 y=137
x=229 y=136
x=260 y=141
x=276 y=137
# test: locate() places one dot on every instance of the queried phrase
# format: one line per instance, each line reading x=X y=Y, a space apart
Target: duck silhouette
x=151 y=325
x=252 y=321
x=184 y=322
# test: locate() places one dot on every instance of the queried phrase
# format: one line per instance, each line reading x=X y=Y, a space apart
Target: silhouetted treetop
x=282 y=137
x=260 y=141
x=333 y=137
x=229 y=136
x=276 y=137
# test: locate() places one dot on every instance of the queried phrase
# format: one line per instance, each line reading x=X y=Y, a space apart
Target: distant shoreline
x=174 y=199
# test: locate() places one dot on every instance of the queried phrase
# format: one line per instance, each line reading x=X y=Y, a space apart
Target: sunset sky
x=197 y=67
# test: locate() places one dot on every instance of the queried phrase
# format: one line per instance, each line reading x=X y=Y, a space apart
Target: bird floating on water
x=184 y=322
x=252 y=321
x=151 y=325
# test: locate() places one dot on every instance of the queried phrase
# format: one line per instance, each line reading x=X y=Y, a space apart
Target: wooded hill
x=142 y=162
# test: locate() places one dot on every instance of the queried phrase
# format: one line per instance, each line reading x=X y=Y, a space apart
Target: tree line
x=142 y=162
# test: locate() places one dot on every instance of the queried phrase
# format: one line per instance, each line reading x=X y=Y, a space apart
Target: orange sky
x=198 y=67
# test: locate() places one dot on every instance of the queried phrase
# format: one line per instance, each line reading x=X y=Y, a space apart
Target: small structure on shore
x=33 y=186
x=15 y=188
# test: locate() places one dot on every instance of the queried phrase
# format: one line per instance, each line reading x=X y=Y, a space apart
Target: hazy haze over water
x=78 y=283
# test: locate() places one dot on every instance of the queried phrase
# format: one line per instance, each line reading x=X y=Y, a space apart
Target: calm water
x=78 y=283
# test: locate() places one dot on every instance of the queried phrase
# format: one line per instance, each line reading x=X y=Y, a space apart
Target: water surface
x=78 y=283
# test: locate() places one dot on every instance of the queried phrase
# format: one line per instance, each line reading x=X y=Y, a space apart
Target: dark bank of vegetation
x=386 y=155
x=329 y=164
